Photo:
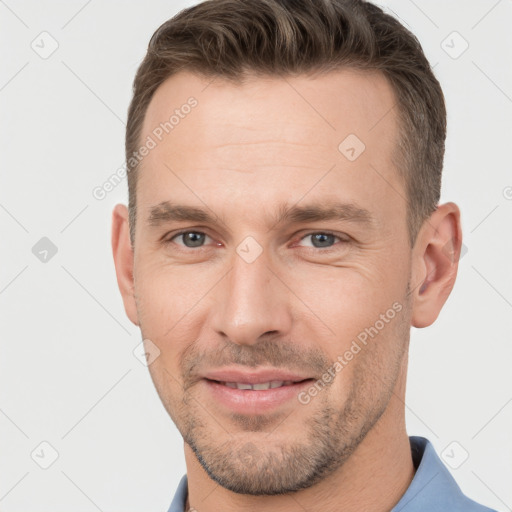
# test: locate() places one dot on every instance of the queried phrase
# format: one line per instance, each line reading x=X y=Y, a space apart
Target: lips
x=254 y=392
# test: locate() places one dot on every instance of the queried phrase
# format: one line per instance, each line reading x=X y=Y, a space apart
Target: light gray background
x=68 y=374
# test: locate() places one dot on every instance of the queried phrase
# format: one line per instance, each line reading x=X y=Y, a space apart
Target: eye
x=322 y=239
x=189 y=239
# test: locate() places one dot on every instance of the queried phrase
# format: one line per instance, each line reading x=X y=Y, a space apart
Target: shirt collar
x=433 y=487
x=180 y=498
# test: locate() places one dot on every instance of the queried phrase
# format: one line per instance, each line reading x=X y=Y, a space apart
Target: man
x=282 y=236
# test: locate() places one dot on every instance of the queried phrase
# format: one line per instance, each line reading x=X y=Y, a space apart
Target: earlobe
x=436 y=259
x=123 y=260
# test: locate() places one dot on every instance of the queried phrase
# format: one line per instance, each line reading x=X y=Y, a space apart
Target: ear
x=123 y=260
x=436 y=256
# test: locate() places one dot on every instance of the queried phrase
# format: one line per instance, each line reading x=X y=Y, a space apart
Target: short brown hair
x=232 y=38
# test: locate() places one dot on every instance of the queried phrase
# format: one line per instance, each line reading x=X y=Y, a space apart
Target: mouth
x=255 y=397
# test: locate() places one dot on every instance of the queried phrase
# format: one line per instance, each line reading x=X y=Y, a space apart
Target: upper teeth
x=263 y=385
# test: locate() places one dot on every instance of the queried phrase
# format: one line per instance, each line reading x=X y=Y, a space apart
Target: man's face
x=252 y=289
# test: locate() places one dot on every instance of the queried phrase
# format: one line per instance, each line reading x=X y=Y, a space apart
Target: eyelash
x=322 y=249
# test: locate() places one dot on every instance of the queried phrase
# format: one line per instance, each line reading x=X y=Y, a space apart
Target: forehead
x=326 y=105
x=271 y=137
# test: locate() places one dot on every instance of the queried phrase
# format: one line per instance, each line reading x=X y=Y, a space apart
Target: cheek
x=164 y=306
x=368 y=358
x=347 y=300
x=356 y=322
x=165 y=295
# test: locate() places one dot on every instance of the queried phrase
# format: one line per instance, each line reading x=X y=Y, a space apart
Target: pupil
x=323 y=239
x=193 y=239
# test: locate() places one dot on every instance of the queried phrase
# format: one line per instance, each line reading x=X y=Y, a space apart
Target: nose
x=251 y=302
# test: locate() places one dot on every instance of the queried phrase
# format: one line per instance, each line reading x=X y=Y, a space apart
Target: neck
x=375 y=477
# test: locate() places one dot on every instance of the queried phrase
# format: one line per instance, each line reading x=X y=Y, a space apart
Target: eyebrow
x=166 y=212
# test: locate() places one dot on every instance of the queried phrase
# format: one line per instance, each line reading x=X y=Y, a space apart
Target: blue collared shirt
x=433 y=489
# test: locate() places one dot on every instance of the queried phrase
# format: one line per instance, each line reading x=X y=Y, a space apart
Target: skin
x=240 y=153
